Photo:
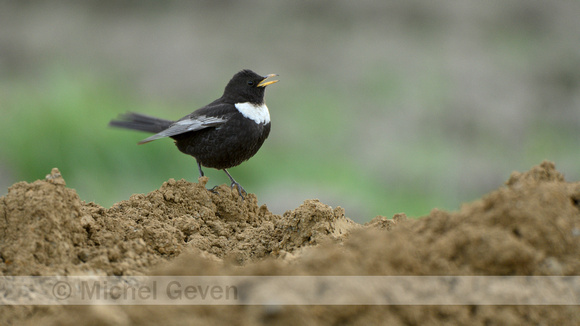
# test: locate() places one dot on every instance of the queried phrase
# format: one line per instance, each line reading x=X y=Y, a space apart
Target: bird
x=220 y=135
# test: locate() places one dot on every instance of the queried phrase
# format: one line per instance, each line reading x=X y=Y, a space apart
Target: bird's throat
x=258 y=113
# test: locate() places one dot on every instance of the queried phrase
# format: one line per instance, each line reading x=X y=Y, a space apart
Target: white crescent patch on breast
x=257 y=113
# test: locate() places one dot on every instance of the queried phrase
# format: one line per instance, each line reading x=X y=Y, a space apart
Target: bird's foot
x=234 y=184
x=240 y=188
x=213 y=190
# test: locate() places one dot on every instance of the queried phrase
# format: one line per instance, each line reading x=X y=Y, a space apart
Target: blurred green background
x=382 y=106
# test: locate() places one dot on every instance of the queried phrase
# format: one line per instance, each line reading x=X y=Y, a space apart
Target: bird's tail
x=141 y=122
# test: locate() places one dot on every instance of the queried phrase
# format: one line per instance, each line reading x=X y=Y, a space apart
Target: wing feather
x=186 y=125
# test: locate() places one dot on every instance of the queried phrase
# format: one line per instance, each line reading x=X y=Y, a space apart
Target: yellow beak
x=265 y=83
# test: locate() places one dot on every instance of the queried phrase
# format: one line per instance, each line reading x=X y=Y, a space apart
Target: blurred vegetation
x=382 y=108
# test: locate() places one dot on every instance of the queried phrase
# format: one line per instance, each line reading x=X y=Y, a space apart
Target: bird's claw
x=240 y=189
x=234 y=184
x=213 y=190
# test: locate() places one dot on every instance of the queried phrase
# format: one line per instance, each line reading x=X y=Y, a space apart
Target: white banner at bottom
x=290 y=290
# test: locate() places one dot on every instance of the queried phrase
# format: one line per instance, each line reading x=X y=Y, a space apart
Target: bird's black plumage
x=220 y=135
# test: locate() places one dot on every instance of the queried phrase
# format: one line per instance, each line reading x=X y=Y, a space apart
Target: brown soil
x=529 y=227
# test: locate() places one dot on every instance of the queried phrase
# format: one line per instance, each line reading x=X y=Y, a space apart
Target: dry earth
x=530 y=226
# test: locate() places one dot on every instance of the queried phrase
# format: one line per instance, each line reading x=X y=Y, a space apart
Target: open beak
x=265 y=83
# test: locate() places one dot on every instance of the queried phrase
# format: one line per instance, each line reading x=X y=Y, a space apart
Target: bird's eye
x=250 y=82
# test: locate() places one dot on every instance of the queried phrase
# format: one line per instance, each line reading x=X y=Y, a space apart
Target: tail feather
x=141 y=122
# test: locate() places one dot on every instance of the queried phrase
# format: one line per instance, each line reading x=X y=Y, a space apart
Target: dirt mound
x=529 y=227
x=48 y=230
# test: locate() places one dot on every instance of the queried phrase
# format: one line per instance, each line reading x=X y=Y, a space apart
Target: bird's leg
x=201 y=175
x=199 y=168
x=234 y=183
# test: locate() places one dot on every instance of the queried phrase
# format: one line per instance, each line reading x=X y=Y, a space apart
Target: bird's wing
x=187 y=124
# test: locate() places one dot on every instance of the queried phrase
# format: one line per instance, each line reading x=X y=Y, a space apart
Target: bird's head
x=248 y=86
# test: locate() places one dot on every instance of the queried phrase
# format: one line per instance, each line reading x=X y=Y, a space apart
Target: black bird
x=220 y=135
